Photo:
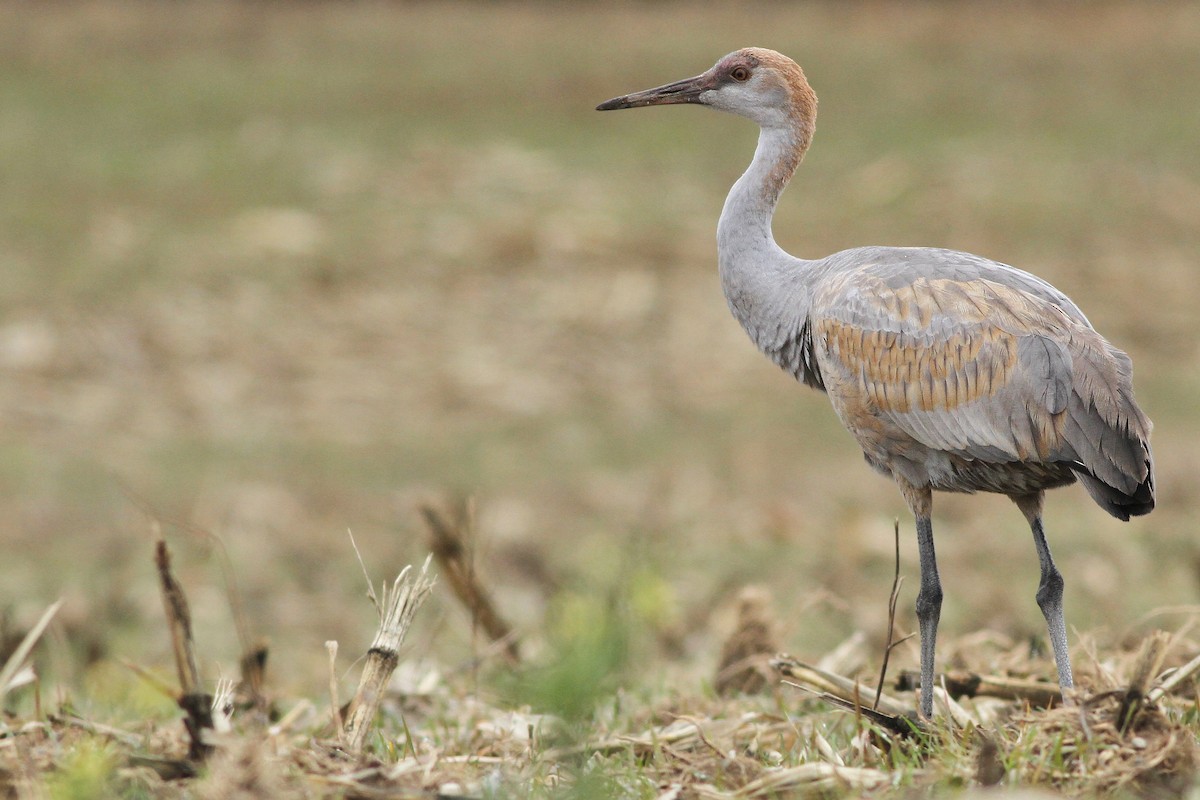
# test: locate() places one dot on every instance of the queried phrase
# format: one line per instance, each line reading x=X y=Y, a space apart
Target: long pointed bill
x=685 y=91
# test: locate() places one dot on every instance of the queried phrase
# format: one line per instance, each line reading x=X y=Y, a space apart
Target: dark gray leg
x=1050 y=600
x=929 y=598
x=1050 y=591
x=929 y=610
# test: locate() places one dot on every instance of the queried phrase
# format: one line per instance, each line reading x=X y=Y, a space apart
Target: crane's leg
x=1050 y=591
x=929 y=611
x=929 y=598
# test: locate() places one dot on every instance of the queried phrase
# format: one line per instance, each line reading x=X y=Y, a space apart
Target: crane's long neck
x=766 y=288
x=746 y=219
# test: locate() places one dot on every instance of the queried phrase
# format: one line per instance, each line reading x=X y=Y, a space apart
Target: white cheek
x=743 y=100
x=730 y=97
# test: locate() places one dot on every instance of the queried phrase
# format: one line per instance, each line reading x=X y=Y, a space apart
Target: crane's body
x=953 y=372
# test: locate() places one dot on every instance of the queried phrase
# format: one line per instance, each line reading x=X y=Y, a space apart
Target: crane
x=953 y=372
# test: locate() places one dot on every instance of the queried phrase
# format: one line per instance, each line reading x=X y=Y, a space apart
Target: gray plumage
x=953 y=372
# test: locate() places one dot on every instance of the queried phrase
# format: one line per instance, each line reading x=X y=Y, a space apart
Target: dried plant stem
x=17 y=659
x=815 y=780
x=1148 y=664
x=334 y=703
x=254 y=654
x=254 y=676
x=448 y=542
x=1037 y=694
x=893 y=601
x=1173 y=679
x=836 y=686
x=195 y=703
x=116 y=734
x=397 y=608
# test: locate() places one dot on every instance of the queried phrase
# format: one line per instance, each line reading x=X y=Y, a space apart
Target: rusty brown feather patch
x=900 y=372
x=935 y=344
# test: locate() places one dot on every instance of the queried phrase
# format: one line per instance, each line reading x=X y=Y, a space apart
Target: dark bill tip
x=613 y=105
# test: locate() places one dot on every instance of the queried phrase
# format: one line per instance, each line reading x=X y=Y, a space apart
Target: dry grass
x=439 y=736
x=273 y=272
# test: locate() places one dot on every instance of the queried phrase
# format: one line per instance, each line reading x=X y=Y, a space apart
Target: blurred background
x=272 y=272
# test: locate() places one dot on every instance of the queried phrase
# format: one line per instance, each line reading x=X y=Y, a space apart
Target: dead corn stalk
x=396 y=609
x=192 y=699
x=845 y=693
x=448 y=540
x=1037 y=694
x=1149 y=662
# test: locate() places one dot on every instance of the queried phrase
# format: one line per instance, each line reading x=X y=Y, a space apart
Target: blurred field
x=279 y=272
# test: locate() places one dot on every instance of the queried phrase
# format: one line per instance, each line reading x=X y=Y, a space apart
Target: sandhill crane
x=954 y=372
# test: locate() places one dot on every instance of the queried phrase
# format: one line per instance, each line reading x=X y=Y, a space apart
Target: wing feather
x=979 y=369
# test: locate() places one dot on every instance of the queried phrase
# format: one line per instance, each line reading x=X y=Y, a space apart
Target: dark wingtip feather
x=1121 y=505
x=1142 y=500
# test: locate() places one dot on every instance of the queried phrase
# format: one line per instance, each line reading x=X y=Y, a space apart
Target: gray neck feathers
x=767 y=290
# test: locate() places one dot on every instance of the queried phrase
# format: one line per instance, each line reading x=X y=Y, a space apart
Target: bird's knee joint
x=1050 y=591
x=929 y=601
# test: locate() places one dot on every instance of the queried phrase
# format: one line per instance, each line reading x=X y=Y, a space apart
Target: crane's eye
x=740 y=74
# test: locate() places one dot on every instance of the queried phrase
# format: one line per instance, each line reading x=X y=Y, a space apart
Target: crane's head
x=754 y=82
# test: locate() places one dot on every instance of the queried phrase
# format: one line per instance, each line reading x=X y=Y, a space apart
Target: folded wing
x=986 y=372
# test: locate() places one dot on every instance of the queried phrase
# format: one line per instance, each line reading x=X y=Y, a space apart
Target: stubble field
x=276 y=273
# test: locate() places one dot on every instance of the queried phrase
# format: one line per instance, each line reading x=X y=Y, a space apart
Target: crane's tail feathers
x=1120 y=504
x=1108 y=432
